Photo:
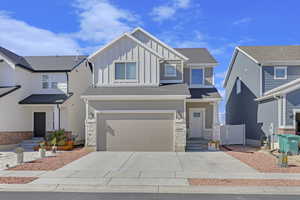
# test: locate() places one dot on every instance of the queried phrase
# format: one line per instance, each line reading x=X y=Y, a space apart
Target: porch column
x=56 y=113
x=216 y=122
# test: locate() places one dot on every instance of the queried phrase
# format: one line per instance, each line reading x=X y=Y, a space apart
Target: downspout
x=58 y=116
x=67 y=82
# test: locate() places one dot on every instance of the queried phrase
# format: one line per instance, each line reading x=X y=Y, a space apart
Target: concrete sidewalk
x=154 y=189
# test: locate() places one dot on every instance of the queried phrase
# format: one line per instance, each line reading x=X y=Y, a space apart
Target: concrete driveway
x=146 y=169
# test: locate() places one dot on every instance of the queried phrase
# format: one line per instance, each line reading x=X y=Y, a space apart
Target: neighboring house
x=146 y=95
x=263 y=91
x=39 y=94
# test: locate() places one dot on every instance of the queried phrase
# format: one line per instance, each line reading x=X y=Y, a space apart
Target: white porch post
x=56 y=117
x=86 y=109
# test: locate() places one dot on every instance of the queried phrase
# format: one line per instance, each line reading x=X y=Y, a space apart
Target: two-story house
x=262 y=91
x=147 y=96
x=39 y=94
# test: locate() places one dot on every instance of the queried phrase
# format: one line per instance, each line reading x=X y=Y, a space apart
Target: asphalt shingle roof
x=197 y=55
x=54 y=63
x=46 y=99
x=273 y=54
x=167 y=89
x=202 y=93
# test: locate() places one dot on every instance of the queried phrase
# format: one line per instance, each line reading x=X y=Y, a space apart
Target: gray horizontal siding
x=293 y=72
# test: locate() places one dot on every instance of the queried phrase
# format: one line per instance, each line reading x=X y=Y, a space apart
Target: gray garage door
x=135 y=132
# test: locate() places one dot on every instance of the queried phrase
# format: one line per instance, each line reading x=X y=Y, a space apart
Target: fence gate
x=232 y=134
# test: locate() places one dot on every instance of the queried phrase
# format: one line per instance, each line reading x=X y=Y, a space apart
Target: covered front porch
x=48 y=112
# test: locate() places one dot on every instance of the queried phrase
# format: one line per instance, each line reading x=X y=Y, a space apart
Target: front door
x=39 y=124
x=196 y=122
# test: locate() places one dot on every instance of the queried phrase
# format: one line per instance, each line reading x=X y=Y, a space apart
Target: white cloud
x=25 y=39
x=101 y=21
x=167 y=11
x=242 y=21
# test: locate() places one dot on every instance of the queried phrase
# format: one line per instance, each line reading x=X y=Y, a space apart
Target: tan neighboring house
x=39 y=94
x=148 y=96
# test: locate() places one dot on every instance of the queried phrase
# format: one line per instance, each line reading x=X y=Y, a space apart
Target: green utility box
x=289 y=143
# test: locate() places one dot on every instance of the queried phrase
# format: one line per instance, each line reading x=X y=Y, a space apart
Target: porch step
x=28 y=145
x=196 y=144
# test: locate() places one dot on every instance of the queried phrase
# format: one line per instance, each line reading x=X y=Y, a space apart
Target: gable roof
x=159 y=41
x=119 y=38
x=274 y=55
x=43 y=63
x=53 y=63
x=197 y=55
x=267 y=55
x=14 y=58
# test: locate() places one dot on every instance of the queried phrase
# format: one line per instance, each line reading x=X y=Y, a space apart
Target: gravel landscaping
x=52 y=162
x=16 y=180
x=259 y=160
x=243 y=182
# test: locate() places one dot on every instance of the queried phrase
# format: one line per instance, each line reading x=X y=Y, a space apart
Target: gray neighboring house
x=263 y=91
x=147 y=96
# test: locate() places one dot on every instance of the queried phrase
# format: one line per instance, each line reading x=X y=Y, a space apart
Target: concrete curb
x=152 y=189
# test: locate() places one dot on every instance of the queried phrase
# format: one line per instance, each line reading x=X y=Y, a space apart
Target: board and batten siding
x=293 y=72
x=208 y=75
x=156 y=46
x=126 y=50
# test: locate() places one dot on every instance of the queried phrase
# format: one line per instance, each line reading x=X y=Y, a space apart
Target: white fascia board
x=134 y=111
x=134 y=97
x=246 y=54
x=204 y=100
x=171 y=81
x=120 y=37
x=237 y=49
x=159 y=41
x=235 y=52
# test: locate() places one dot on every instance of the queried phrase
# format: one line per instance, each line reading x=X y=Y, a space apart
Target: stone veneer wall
x=7 y=138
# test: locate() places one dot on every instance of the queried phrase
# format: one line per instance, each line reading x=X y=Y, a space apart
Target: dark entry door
x=39 y=129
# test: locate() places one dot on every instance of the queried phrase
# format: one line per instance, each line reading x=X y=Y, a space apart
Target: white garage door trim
x=140 y=111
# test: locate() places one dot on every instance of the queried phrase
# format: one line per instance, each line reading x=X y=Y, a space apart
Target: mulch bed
x=16 y=180
x=243 y=182
x=52 y=163
x=261 y=161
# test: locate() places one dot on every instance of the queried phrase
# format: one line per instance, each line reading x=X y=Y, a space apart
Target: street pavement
x=135 y=196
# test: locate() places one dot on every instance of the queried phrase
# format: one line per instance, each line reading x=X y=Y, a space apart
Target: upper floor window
x=197 y=76
x=45 y=81
x=170 y=70
x=48 y=83
x=125 y=71
x=280 y=72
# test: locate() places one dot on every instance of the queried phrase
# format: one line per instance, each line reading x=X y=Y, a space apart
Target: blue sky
x=57 y=27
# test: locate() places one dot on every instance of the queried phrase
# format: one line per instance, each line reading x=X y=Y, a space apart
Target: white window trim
x=203 y=78
x=170 y=75
x=125 y=80
x=285 y=72
x=51 y=79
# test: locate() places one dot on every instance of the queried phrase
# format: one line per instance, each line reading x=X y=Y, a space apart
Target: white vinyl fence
x=232 y=134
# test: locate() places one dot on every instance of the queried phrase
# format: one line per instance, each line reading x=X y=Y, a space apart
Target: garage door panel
x=136 y=132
